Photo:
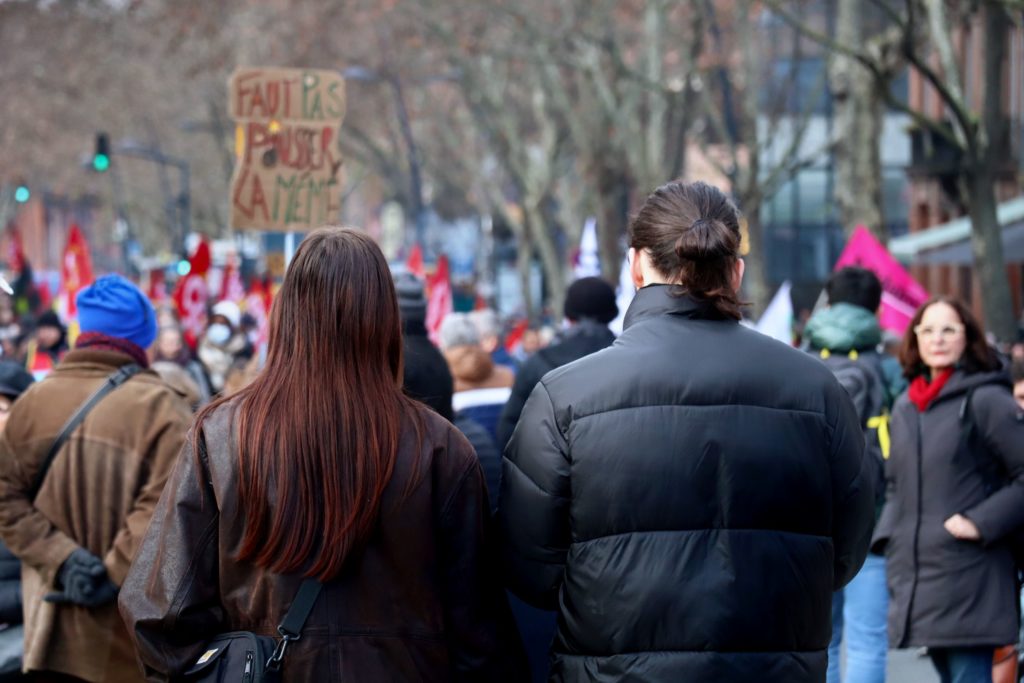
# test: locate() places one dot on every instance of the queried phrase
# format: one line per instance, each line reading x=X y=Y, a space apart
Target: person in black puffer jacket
x=690 y=497
x=589 y=307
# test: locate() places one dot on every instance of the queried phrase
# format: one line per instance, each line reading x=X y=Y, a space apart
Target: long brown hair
x=318 y=429
x=692 y=233
x=978 y=355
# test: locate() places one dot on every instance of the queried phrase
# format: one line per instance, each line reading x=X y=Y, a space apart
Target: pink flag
x=901 y=293
x=439 y=298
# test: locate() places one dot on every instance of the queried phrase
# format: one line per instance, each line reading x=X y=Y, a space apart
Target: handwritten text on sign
x=288 y=163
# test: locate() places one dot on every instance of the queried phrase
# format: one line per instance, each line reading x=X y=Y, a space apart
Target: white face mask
x=218 y=334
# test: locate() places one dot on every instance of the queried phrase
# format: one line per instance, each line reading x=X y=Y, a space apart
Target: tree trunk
x=858 y=129
x=613 y=188
x=550 y=260
x=756 y=284
x=987 y=245
x=524 y=259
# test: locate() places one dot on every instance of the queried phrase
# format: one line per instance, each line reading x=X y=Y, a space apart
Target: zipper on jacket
x=917 y=535
x=249 y=659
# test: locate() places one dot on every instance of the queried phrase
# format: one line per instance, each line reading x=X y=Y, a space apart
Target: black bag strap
x=291 y=626
x=113 y=381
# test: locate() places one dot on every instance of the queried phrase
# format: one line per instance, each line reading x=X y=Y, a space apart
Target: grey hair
x=458 y=329
x=487 y=322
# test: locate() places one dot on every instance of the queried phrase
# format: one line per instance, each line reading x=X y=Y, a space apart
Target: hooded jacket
x=842 y=328
x=688 y=499
x=945 y=592
x=99 y=494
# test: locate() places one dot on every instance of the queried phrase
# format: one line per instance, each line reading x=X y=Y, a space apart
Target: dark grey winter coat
x=688 y=499
x=946 y=592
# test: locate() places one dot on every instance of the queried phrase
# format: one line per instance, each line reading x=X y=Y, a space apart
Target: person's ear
x=636 y=271
x=737 y=275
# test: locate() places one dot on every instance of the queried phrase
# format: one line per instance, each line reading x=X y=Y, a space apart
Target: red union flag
x=231 y=288
x=191 y=295
x=439 y=301
x=76 y=268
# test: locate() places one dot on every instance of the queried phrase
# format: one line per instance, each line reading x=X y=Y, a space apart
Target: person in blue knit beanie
x=75 y=521
x=114 y=307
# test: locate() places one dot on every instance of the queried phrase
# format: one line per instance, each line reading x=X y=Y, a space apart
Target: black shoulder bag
x=244 y=657
x=113 y=381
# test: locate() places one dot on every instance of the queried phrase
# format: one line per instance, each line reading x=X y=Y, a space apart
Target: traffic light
x=184 y=267
x=101 y=157
x=22 y=193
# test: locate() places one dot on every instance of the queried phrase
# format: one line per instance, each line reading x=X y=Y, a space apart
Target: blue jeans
x=963 y=664
x=859 y=612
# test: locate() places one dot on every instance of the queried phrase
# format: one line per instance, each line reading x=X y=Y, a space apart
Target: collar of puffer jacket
x=658 y=300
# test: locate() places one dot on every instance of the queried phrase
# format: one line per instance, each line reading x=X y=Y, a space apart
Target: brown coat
x=421 y=602
x=99 y=494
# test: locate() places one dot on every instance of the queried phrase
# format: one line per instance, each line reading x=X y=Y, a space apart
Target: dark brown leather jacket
x=421 y=602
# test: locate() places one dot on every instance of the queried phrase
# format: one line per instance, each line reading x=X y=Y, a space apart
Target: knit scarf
x=102 y=342
x=922 y=392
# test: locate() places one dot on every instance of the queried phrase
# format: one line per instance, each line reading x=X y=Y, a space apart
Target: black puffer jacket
x=582 y=340
x=946 y=592
x=688 y=498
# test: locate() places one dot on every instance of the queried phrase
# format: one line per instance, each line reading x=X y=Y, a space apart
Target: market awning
x=950 y=243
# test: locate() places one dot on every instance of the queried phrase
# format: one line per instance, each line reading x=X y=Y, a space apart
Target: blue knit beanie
x=115 y=307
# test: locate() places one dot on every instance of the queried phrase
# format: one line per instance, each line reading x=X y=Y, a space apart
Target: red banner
x=191 y=295
x=439 y=298
x=76 y=269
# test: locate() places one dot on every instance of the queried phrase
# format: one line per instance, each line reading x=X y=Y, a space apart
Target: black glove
x=84 y=581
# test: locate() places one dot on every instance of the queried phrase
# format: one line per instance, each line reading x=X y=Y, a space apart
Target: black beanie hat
x=591 y=298
x=412 y=304
x=14 y=379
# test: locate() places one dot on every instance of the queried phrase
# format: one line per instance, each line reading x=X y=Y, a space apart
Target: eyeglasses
x=949 y=331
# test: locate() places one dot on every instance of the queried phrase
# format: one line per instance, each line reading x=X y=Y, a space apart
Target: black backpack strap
x=294 y=621
x=113 y=381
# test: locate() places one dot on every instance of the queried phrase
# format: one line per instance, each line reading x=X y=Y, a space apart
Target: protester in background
x=14 y=380
x=10 y=331
x=390 y=498
x=528 y=345
x=427 y=379
x=47 y=345
x=955 y=497
x=170 y=347
x=690 y=497
x=846 y=336
x=1017 y=370
x=78 y=534
x=489 y=326
x=481 y=387
x=223 y=344
x=426 y=376
x=589 y=307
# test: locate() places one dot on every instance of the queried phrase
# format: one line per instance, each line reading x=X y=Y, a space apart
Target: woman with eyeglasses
x=955 y=497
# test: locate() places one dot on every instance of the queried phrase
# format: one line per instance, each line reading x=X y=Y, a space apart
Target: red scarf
x=922 y=392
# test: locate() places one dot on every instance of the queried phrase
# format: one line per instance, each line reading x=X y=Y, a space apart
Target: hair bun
x=706 y=239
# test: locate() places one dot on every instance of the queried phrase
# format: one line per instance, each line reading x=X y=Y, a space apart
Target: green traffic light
x=101 y=162
x=22 y=194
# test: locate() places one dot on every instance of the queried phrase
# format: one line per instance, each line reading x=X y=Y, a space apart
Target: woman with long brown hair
x=322 y=468
x=955 y=497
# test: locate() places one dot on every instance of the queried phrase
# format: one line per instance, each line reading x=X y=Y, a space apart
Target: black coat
x=688 y=499
x=486 y=452
x=582 y=340
x=426 y=376
x=945 y=592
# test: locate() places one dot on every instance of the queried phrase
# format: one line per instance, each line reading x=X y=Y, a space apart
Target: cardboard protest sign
x=288 y=161
x=901 y=293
